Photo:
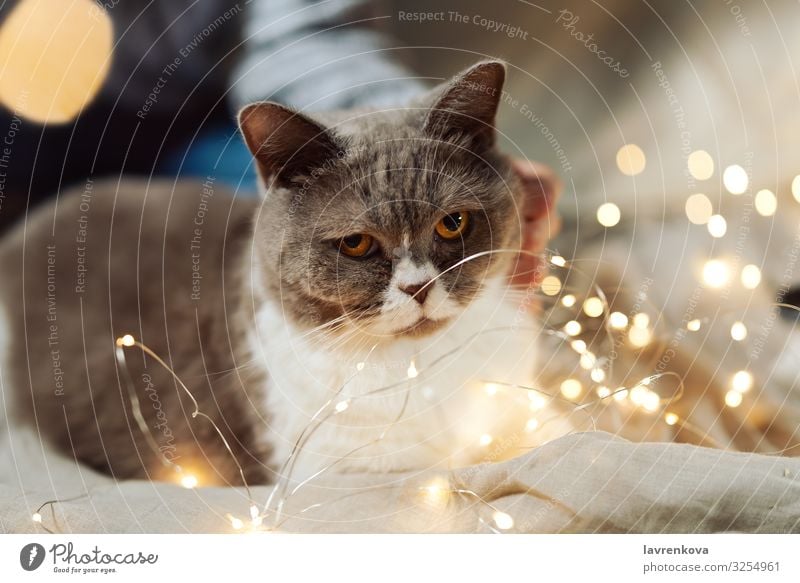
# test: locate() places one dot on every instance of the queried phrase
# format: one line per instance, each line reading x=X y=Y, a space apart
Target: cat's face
x=368 y=220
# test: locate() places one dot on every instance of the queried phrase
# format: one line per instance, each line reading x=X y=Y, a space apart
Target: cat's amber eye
x=453 y=225
x=356 y=245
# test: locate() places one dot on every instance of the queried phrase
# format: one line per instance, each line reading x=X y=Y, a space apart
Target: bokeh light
x=751 y=276
x=631 y=160
x=716 y=273
x=571 y=388
x=738 y=331
x=766 y=203
x=593 y=307
x=735 y=179
x=701 y=165
x=608 y=214
x=55 y=57
x=717 y=226
x=699 y=209
x=551 y=285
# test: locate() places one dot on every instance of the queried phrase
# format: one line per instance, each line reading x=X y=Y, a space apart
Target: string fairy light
x=641 y=395
x=186 y=479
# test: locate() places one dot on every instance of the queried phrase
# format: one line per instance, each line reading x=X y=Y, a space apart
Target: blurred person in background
x=179 y=72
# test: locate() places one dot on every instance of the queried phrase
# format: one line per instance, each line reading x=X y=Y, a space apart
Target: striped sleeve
x=319 y=55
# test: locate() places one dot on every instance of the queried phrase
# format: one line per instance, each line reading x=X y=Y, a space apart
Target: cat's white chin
x=436 y=386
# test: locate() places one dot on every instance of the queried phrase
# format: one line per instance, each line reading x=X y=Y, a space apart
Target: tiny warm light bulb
x=738 y=331
x=126 y=340
x=796 y=188
x=437 y=492
x=716 y=273
x=568 y=300
x=751 y=276
x=701 y=165
x=485 y=439
x=189 y=481
x=531 y=425
x=641 y=320
x=639 y=337
x=598 y=375
x=588 y=360
x=538 y=402
x=412 y=370
x=551 y=285
x=733 y=399
x=491 y=389
x=717 y=226
x=621 y=394
x=603 y=392
x=698 y=209
x=618 y=320
x=255 y=515
x=36 y=517
x=742 y=381
x=503 y=520
x=631 y=160
x=572 y=328
x=558 y=260
x=608 y=214
x=651 y=401
x=645 y=398
x=670 y=418
x=360 y=366
x=735 y=179
x=342 y=406
x=593 y=307
x=766 y=203
x=578 y=346
x=571 y=388
x=693 y=325
x=236 y=523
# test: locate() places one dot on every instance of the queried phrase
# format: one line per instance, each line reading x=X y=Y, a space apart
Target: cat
x=362 y=304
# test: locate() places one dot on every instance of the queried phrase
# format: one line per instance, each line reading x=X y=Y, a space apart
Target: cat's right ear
x=287 y=145
x=465 y=108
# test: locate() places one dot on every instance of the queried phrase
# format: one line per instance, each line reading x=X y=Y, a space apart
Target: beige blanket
x=589 y=482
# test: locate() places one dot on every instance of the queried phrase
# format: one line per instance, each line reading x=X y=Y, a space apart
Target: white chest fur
x=400 y=404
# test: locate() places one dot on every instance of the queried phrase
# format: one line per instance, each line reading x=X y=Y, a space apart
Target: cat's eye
x=453 y=225
x=357 y=245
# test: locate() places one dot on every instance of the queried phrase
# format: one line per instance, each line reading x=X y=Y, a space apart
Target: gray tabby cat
x=341 y=299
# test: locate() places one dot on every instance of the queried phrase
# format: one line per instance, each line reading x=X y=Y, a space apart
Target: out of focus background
x=157 y=85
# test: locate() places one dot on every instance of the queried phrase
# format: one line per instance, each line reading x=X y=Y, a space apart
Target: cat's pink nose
x=417 y=291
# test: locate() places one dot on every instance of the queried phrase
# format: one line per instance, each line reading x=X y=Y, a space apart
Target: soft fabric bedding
x=588 y=482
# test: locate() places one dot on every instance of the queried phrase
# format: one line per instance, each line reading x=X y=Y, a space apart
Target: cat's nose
x=417 y=291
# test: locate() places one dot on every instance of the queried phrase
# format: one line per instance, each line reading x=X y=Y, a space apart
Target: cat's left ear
x=467 y=106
